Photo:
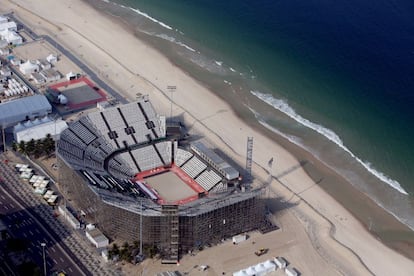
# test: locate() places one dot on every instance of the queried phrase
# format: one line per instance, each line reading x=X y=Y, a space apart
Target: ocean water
x=334 y=77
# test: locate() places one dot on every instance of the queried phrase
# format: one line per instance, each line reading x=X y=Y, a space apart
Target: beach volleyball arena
x=135 y=182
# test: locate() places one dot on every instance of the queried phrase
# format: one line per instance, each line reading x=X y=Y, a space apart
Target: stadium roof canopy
x=21 y=109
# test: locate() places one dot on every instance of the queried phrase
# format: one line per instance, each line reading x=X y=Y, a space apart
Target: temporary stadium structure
x=111 y=163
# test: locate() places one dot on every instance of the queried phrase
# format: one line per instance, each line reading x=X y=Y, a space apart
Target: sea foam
x=329 y=134
x=141 y=13
x=173 y=40
x=298 y=141
x=219 y=63
x=151 y=18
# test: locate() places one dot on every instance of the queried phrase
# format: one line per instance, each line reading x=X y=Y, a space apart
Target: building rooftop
x=15 y=111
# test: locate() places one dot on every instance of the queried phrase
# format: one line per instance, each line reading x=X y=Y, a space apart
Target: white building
x=5 y=71
x=4 y=51
x=44 y=64
x=52 y=58
x=69 y=217
x=97 y=238
x=38 y=78
x=259 y=269
x=11 y=37
x=291 y=271
x=3 y=43
x=29 y=67
x=16 y=61
x=8 y=26
x=50 y=75
x=70 y=76
x=3 y=19
x=39 y=129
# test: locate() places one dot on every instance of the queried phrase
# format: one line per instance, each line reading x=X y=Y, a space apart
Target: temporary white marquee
x=8 y=26
x=11 y=37
x=3 y=19
x=259 y=269
x=37 y=130
x=29 y=67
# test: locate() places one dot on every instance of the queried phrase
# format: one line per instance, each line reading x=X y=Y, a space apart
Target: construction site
x=124 y=172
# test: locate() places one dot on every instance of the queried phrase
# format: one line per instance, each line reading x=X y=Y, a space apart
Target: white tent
x=18 y=127
x=28 y=67
x=269 y=266
x=8 y=26
x=11 y=37
x=45 y=119
x=62 y=99
x=260 y=270
x=28 y=124
x=70 y=76
x=16 y=61
x=39 y=131
x=240 y=273
x=3 y=43
x=251 y=271
x=3 y=19
x=52 y=58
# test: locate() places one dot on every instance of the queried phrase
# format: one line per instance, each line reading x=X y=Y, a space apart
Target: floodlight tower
x=172 y=89
x=44 y=257
x=249 y=156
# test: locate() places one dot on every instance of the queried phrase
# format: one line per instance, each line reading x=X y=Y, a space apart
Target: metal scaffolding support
x=170 y=234
x=171 y=229
x=249 y=156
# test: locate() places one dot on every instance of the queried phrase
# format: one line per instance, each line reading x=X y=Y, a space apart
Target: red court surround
x=181 y=174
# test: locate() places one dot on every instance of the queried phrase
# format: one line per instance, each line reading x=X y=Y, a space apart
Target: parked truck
x=239 y=238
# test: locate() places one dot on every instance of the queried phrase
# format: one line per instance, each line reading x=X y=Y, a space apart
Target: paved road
x=25 y=227
x=23 y=223
x=73 y=243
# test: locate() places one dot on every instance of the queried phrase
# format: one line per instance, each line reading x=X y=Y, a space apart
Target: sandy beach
x=328 y=238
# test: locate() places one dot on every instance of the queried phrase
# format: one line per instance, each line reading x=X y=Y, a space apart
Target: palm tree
x=14 y=146
x=115 y=249
x=30 y=147
x=39 y=149
x=48 y=144
x=22 y=147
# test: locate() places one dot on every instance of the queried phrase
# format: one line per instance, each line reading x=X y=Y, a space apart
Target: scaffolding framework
x=170 y=234
x=249 y=156
x=172 y=229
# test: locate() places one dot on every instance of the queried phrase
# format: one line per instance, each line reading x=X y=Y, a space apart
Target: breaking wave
x=284 y=107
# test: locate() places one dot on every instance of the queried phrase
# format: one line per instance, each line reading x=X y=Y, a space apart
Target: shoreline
x=297 y=152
